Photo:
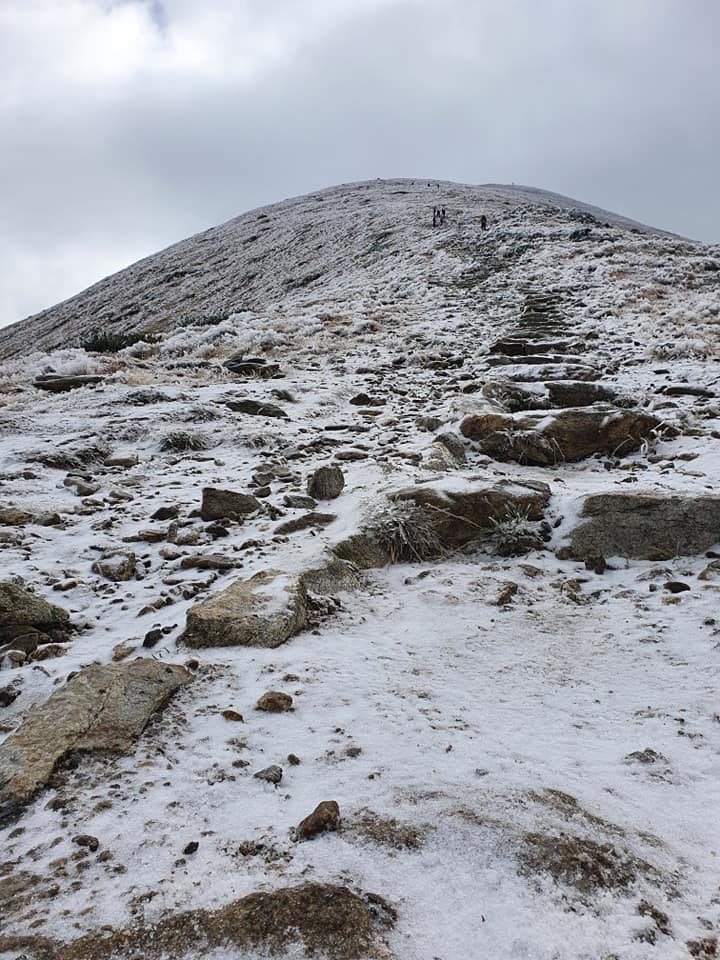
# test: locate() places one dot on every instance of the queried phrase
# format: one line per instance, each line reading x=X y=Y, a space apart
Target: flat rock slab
x=21 y=612
x=101 y=708
x=312 y=919
x=63 y=384
x=263 y=611
x=578 y=393
x=644 y=526
x=257 y=409
x=517 y=347
x=567 y=436
x=311 y=519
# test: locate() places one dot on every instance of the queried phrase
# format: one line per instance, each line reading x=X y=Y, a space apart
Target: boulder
x=464 y=514
x=644 y=526
x=22 y=612
x=446 y=517
x=263 y=611
x=274 y=701
x=218 y=504
x=569 y=435
x=325 y=817
x=117 y=567
x=326 y=483
x=102 y=708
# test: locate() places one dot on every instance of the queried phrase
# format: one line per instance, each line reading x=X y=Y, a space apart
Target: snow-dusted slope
x=525 y=750
x=302 y=251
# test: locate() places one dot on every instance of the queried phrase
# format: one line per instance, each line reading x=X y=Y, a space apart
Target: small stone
x=326 y=483
x=676 y=586
x=8 y=695
x=217 y=530
x=272 y=774
x=165 y=513
x=353 y=752
x=191 y=848
x=233 y=715
x=152 y=637
x=299 y=502
x=88 y=841
x=596 y=563
x=325 y=816
x=274 y=702
x=293 y=760
x=507 y=591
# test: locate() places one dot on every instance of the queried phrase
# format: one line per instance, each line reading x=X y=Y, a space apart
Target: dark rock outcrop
x=646 y=526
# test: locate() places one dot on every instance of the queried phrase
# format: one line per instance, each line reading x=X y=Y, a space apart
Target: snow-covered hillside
x=298 y=254
x=494 y=623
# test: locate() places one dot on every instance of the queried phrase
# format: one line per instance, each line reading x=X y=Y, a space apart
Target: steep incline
x=318 y=248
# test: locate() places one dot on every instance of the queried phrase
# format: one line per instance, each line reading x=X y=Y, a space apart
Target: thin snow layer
x=464 y=738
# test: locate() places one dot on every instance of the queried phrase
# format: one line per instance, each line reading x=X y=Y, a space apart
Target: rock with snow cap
x=263 y=611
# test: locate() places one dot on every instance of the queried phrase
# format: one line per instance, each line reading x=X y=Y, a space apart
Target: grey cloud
x=613 y=103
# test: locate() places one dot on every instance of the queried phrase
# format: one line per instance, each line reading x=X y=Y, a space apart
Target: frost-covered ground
x=481 y=754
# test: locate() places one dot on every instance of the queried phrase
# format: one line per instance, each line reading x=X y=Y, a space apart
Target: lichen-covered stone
x=263 y=611
x=101 y=708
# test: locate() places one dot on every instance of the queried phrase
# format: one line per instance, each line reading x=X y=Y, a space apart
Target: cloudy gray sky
x=130 y=124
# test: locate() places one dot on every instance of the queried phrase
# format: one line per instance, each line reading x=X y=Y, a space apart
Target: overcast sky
x=126 y=125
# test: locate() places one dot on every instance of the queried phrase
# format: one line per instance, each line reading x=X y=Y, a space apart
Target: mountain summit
x=326 y=250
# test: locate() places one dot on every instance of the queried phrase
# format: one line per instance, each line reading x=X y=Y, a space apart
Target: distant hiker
x=435 y=216
x=483 y=222
x=442 y=216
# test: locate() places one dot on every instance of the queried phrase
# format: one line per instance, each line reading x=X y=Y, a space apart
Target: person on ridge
x=483 y=222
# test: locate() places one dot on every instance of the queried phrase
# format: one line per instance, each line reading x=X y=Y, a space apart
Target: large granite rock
x=263 y=611
x=100 y=708
x=645 y=526
x=568 y=435
x=22 y=612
